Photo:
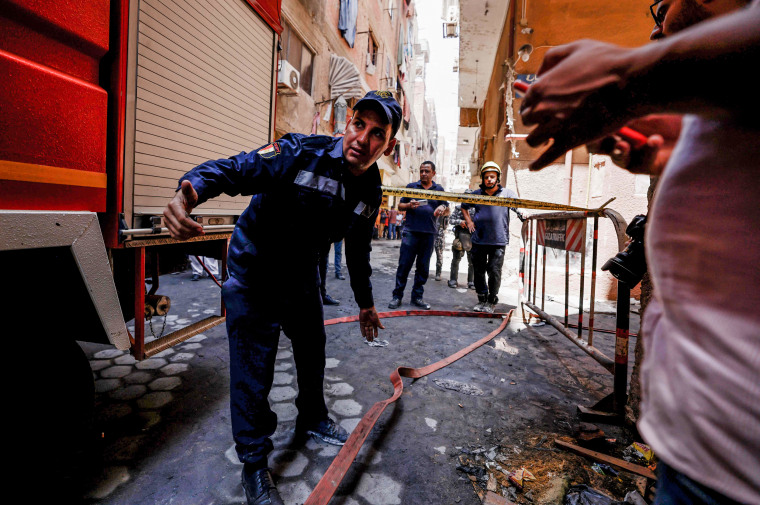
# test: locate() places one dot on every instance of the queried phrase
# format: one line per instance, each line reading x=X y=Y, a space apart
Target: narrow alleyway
x=165 y=421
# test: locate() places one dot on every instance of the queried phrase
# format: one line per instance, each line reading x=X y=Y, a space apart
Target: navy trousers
x=254 y=319
x=419 y=246
x=488 y=259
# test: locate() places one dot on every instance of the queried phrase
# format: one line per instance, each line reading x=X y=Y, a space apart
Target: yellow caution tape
x=485 y=199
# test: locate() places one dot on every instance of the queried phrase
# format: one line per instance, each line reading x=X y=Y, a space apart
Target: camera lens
x=630 y=265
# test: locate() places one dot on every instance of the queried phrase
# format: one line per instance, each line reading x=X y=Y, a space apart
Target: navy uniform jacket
x=303 y=198
x=422 y=219
x=491 y=221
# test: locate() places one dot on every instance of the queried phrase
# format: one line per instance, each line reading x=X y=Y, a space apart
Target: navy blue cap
x=383 y=103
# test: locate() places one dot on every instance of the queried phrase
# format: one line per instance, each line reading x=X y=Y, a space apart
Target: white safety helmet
x=490 y=166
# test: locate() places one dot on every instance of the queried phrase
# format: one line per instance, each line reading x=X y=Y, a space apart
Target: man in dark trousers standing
x=490 y=236
x=418 y=238
x=273 y=256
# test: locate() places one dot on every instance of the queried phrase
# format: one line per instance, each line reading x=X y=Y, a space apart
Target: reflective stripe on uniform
x=318 y=182
x=363 y=209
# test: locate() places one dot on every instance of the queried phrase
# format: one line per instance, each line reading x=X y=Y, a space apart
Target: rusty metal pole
x=543 y=278
x=620 y=392
x=593 y=283
x=582 y=280
x=535 y=267
x=138 y=348
x=521 y=273
x=567 y=287
x=530 y=257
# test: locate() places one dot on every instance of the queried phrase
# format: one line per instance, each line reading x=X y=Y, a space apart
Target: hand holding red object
x=634 y=138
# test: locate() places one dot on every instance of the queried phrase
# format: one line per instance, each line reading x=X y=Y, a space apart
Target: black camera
x=630 y=264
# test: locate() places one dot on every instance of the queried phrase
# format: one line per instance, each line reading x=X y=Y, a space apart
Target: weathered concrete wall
x=316 y=23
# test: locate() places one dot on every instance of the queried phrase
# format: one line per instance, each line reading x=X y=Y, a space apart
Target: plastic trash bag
x=584 y=495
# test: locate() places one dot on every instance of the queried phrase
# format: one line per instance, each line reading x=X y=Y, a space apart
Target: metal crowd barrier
x=567 y=231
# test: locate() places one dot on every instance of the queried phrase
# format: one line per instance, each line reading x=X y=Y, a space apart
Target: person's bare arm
x=468 y=220
x=588 y=89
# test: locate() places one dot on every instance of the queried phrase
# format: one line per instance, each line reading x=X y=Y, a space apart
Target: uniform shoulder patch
x=269 y=151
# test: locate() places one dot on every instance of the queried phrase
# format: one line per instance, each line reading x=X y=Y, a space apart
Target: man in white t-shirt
x=701 y=373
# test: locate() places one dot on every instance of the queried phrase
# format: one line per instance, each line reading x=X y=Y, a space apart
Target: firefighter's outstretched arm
x=177 y=213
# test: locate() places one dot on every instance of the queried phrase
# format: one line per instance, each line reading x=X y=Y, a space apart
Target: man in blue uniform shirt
x=272 y=259
x=490 y=236
x=418 y=239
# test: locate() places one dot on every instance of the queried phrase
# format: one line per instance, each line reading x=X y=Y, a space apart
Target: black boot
x=259 y=487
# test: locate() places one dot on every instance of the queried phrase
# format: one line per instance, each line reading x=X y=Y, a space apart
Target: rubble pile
x=533 y=471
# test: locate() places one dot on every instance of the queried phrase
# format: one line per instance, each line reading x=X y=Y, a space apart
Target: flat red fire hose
x=332 y=478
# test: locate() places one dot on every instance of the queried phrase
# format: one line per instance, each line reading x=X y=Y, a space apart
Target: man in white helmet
x=490 y=236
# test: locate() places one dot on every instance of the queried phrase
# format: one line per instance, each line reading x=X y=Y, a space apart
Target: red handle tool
x=636 y=139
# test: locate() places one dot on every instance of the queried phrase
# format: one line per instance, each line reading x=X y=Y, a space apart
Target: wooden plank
x=610 y=460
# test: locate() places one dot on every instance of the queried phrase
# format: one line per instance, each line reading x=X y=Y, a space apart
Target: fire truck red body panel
x=53 y=125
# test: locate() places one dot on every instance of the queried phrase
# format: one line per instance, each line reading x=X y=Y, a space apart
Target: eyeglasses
x=658 y=18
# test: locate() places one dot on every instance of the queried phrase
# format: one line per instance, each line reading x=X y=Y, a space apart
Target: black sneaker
x=453 y=284
x=260 y=489
x=327 y=431
x=340 y=276
x=421 y=304
x=195 y=277
x=395 y=303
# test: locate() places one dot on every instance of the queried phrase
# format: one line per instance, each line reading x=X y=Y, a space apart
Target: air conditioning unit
x=288 y=78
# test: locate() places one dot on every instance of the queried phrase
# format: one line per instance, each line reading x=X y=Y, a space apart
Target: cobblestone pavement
x=164 y=422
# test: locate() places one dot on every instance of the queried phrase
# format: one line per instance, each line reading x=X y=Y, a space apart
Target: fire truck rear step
x=161 y=344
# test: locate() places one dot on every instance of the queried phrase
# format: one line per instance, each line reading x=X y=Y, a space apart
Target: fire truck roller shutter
x=203 y=88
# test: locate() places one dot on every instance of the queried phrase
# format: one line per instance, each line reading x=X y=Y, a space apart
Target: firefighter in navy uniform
x=272 y=260
x=490 y=236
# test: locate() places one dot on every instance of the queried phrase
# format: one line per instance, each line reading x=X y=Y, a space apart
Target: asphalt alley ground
x=165 y=421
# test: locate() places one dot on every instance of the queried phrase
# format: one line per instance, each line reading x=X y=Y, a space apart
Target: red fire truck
x=103 y=105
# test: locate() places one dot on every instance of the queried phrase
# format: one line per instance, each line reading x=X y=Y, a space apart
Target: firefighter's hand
x=369 y=323
x=177 y=213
